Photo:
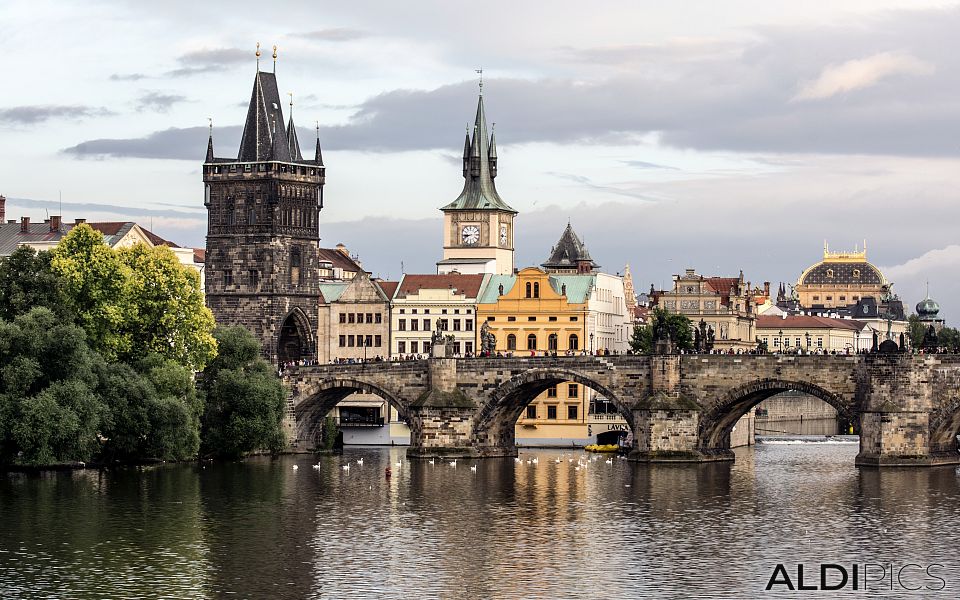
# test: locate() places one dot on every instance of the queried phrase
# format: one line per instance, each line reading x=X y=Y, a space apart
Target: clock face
x=470 y=235
x=503 y=235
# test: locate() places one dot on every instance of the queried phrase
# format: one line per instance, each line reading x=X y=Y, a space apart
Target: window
x=456 y=311
x=532 y=341
x=254 y=277
x=368 y=341
x=414 y=348
x=843 y=298
x=228 y=278
x=573 y=390
x=402 y=347
x=456 y=347
x=574 y=319
x=426 y=324
x=295 y=264
x=377 y=340
x=551 y=412
x=369 y=317
x=819 y=342
x=552 y=319
x=797 y=340
x=511 y=342
x=511 y=318
x=401 y=325
x=536 y=289
x=456 y=324
x=531 y=318
x=830 y=273
x=552 y=392
x=378 y=318
x=426 y=347
x=529 y=290
x=829 y=298
x=816 y=298
x=414 y=325
x=468 y=347
x=343 y=317
x=414 y=311
x=442 y=324
x=468 y=324
x=359 y=317
x=350 y=341
x=491 y=318
x=574 y=342
x=531 y=411
x=552 y=342
x=343 y=341
x=572 y=412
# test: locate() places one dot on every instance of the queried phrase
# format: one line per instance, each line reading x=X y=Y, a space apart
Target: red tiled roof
x=108 y=228
x=339 y=260
x=468 y=285
x=388 y=287
x=807 y=322
x=199 y=255
x=722 y=285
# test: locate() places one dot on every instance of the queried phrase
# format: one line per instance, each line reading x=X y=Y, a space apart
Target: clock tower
x=478 y=225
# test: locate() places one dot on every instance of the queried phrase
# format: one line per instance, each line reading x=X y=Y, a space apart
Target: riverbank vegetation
x=98 y=354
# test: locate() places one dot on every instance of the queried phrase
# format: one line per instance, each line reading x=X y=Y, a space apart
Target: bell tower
x=263 y=210
x=478 y=225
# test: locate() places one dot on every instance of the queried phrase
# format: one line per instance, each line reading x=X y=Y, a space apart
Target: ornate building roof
x=569 y=253
x=479 y=170
x=928 y=309
x=843 y=268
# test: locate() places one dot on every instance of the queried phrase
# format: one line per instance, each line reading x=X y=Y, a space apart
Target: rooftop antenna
x=274 y=58
x=258 y=57
x=480 y=73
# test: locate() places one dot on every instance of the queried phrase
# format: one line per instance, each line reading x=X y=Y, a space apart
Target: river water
x=260 y=529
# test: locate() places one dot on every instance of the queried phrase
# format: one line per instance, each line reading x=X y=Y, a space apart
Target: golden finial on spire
x=291 y=100
x=258 y=56
x=274 y=58
x=480 y=73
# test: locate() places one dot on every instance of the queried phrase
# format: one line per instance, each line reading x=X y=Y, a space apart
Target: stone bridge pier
x=679 y=408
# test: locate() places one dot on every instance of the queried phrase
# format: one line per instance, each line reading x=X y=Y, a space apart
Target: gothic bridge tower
x=263 y=210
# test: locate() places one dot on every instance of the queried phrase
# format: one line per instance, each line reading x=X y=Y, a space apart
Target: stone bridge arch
x=721 y=415
x=494 y=423
x=312 y=404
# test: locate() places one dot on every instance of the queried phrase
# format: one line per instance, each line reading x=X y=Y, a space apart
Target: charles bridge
x=681 y=408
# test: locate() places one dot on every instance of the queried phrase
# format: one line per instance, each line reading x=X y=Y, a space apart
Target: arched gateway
x=680 y=408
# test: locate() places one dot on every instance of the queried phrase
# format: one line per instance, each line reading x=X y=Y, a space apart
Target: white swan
x=295 y=467
x=474 y=468
x=360 y=461
x=346 y=467
x=453 y=463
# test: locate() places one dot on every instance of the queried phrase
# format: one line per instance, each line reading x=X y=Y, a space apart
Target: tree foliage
x=136 y=301
x=243 y=397
x=27 y=281
x=679 y=326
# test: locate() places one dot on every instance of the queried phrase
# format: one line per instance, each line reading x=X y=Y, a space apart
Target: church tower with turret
x=478 y=225
x=263 y=211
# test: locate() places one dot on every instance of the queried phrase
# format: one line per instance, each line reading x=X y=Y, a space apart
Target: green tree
x=136 y=301
x=678 y=325
x=244 y=400
x=27 y=281
x=949 y=338
x=154 y=411
x=49 y=409
x=167 y=309
x=915 y=331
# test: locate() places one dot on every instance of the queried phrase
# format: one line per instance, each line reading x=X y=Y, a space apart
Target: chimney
x=3 y=208
x=24 y=224
x=766 y=289
x=79 y=221
x=55 y=222
x=343 y=250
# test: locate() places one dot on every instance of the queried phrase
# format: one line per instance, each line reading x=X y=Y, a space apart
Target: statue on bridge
x=488 y=341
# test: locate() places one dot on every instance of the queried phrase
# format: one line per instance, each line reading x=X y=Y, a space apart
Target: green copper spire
x=479 y=191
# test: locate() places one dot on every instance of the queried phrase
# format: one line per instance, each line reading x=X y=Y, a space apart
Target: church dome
x=843 y=268
x=928 y=308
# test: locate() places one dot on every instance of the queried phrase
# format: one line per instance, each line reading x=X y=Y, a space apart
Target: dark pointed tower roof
x=293 y=144
x=568 y=252
x=210 y=146
x=264 y=122
x=479 y=192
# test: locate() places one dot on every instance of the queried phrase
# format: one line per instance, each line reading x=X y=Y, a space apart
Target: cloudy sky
x=716 y=135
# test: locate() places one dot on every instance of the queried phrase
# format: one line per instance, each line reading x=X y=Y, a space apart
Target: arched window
x=552 y=342
x=295 y=264
x=536 y=289
x=532 y=341
x=511 y=342
x=574 y=342
x=529 y=295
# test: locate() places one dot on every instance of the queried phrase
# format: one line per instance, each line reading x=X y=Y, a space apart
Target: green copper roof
x=332 y=291
x=479 y=192
x=578 y=286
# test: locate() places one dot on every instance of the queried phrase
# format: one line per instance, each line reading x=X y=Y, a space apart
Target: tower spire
x=210 y=142
x=318 y=157
x=293 y=143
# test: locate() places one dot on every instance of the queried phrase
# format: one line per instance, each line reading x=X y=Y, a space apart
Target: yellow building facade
x=538 y=313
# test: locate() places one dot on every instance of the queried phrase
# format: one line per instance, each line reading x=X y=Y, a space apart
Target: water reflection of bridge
x=679 y=408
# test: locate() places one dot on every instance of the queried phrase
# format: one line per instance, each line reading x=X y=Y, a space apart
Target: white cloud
x=935 y=266
x=861 y=73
